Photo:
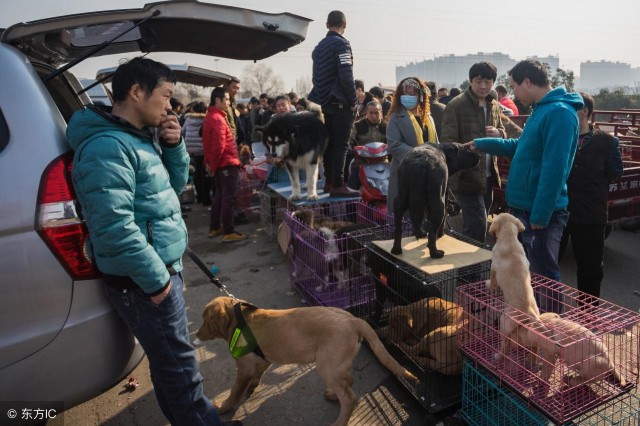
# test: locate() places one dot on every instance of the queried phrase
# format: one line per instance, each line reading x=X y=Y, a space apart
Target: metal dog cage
x=415 y=316
x=249 y=186
x=487 y=402
x=272 y=208
x=327 y=266
x=593 y=332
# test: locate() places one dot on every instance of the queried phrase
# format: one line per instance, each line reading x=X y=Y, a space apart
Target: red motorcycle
x=374 y=171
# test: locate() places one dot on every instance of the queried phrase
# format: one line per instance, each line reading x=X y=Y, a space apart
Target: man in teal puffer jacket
x=541 y=162
x=127 y=181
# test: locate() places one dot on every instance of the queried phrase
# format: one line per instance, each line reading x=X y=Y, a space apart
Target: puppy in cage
x=520 y=320
x=336 y=248
x=580 y=349
x=438 y=350
x=427 y=331
x=308 y=217
x=408 y=324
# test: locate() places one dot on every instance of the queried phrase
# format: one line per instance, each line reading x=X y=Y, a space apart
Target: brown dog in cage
x=330 y=337
x=438 y=350
x=408 y=324
x=308 y=217
x=427 y=330
x=510 y=272
x=580 y=349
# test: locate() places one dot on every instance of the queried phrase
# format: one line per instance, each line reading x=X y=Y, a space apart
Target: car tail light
x=58 y=222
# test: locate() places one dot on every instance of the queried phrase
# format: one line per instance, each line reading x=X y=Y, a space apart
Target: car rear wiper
x=101 y=80
x=96 y=49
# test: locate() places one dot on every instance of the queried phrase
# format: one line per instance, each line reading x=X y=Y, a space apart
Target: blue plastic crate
x=484 y=402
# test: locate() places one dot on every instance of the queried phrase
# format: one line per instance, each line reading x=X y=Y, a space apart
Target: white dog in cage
x=580 y=349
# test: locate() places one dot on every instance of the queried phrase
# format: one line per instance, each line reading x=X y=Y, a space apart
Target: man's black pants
x=338 y=122
x=588 y=249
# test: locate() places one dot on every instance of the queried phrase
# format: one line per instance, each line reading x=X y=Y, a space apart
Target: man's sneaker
x=234 y=236
x=215 y=232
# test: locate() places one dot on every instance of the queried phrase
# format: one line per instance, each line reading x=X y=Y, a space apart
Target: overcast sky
x=384 y=34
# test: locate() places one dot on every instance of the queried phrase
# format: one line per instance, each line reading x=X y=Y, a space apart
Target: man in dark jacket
x=596 y=164
x=378 y=94
x=474 y=114
x=334 y=90
x=436 y=108
x=370 y=128
x=232 y=88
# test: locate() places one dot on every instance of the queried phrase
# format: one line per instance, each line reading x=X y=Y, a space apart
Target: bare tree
x=190 y=92
x=259 y=78
x=303 y=86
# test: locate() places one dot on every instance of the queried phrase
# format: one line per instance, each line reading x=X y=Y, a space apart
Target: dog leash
x=208 y=273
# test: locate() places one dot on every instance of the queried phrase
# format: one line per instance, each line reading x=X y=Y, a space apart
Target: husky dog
x=300 y=140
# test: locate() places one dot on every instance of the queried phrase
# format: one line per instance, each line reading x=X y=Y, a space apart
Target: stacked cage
x=249 y=186
x=272 y=208
x=327 y=266
x=567 y=363
x=417 y=319
x=272 y=204
x=486 y=403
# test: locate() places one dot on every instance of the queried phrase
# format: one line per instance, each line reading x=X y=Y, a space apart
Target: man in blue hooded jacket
x=541 y=161
x=127 y=178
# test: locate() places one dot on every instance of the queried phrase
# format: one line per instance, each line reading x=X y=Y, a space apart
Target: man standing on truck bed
x=597 y=163
x=127 y=180
x=541 y=161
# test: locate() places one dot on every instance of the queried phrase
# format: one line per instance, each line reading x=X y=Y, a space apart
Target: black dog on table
x=422 y=185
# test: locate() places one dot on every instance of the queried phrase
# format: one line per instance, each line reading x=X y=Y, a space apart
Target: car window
x=4 y=132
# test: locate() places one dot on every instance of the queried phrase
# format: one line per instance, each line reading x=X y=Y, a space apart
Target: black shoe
x=344 y=191
x=232 y=423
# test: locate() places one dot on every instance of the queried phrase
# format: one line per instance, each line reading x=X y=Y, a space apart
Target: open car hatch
x=181 y=26
x=184 y=74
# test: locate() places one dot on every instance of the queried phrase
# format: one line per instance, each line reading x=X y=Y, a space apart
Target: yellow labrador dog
x=438 y=350
x=581 y=350
x=411 y=323
x=510 y=272
x=330 y=337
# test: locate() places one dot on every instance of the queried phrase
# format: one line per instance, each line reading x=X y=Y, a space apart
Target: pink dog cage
x=609 y=331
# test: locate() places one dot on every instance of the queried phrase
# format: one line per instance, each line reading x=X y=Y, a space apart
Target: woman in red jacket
x=222 y=161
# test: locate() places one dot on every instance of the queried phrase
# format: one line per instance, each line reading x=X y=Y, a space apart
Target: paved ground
x=292 y=395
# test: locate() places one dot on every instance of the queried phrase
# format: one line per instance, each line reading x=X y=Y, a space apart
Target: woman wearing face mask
x=410 y=124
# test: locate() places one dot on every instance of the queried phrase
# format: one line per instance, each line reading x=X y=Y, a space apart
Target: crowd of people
x=127 y=177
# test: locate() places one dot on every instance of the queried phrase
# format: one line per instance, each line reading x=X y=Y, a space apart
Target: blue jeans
x=474 y=216
x=163 y=333
x=542 y=247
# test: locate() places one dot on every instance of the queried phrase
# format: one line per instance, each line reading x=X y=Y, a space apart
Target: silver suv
x=60 y=339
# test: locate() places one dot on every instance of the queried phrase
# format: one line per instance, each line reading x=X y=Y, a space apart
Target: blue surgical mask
x=409 y=101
